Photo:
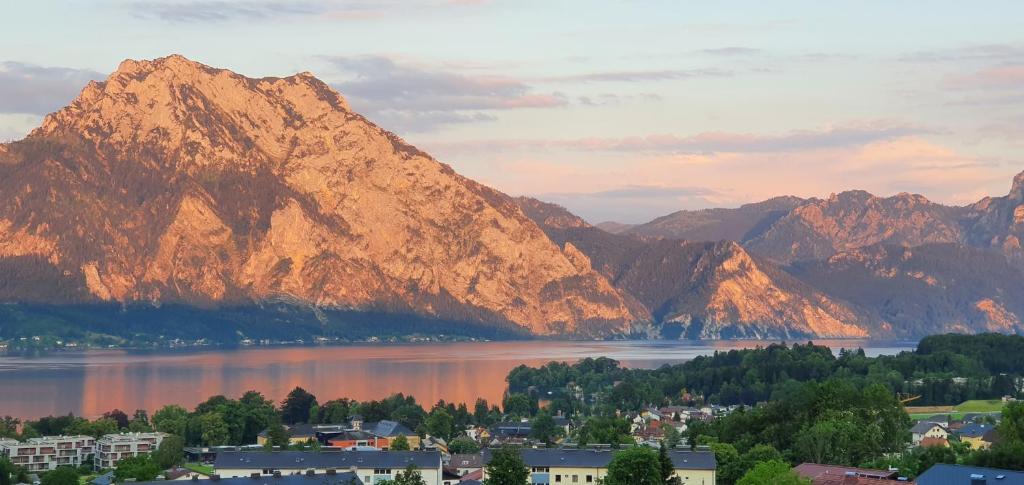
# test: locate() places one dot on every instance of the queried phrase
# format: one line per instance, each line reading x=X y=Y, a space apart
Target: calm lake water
x=91 y=383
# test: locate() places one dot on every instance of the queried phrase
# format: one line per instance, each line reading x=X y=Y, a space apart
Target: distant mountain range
x=914 y=266
x=173 y=188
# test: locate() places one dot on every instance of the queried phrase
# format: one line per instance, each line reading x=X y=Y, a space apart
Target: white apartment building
x=49 y=452
x=114 y=447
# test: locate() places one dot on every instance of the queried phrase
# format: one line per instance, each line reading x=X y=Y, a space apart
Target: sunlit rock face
x=706 y=289
x=172 y=181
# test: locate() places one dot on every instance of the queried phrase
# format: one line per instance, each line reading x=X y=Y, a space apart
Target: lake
x=93 y=382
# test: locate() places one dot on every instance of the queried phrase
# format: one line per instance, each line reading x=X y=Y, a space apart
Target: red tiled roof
x=815 y=470
x=852 y=480
x=928 y=441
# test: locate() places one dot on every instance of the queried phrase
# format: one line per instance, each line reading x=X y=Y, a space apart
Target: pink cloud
x=1011 y=76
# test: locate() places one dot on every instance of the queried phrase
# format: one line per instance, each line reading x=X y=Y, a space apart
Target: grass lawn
x=200 y=468
x=920 y=416
x=981 y=406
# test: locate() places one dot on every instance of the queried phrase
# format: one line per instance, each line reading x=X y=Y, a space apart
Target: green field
x=200 y=468
x=981 y=406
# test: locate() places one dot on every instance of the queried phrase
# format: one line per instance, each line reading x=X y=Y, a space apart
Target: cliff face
x=173 y=182
x=705 y=290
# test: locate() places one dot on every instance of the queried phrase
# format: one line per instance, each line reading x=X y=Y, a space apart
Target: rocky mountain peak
x=1017 y=190
x=176 y=182
x=175 y=110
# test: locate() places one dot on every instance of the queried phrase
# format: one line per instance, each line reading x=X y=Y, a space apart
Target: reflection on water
x=91 y=383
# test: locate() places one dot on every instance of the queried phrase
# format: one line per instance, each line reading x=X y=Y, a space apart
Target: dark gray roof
x=975 y=430
x=466 y=460
x=341 y=478
x=924 y=426
x=558 y=457
x=961 y=475
x=341 y=460
x=385 y=427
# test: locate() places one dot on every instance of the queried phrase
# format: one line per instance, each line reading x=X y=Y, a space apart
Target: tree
x=772 y=473
x=635 y=466
x=506 y=468
x=9 y=427
x=139 y=422
x=170 y=419
x=1012 y=426
x=439 y=423
x=543 y=428
x=277 y=435
x=296 y=406
x=119 y=416
x=672 y=435
x=668 y=469
x=464 y=445
x=604 y=430
x=141 y=468
x=170 y=453
x=400 y=443
x=7 y=471
x=213 y=430
x=518 y=405
x=62 y=475
x=410 y=476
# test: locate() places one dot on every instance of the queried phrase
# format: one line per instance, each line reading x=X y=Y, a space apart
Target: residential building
x=979 y=436
x=466 y=463
x=549 y=466
x=928 y=442
x=331 y=477
x=969 y=475
x=927 y=429
x=354 y=434
x=820 y=474
x=112 y=448
x=370 y=466
x=49 y=452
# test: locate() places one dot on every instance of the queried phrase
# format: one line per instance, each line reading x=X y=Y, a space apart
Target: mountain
x=789 y=229
x=613 y=227
x=819 y=228
x=173 y=183
x=702 y=289
x=927 y=289
x=741 y=224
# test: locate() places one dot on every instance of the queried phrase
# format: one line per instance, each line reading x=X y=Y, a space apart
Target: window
x=590 y=479
x=558 y=478
x=381 y=471
x=575 y=479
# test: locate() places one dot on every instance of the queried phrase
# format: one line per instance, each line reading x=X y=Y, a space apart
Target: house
x=969 y=475
x=357 y=433
x=112 y=448
x=564 y=465
x=302 y=433
x=358 y=439
x=328 y=478
x=928 y=442
x=975 y=434
x=466 y=463
x=820 y=474
x=370 y=466
x=828 y=474
x=926 y=429
x=49 y=452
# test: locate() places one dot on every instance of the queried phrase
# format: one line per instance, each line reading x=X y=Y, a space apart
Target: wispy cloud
x=28 y=88
x=732 y=51
x=640 y=75
x=852 y=134
x=224 y=10
x=209 y=11
x=416 y=98
x=996 y=77
x=985 y=52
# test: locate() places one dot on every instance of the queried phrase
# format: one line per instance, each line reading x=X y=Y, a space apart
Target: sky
x=619 y=110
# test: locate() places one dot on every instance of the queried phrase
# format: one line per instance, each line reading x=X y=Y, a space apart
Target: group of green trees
x=985 y=367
